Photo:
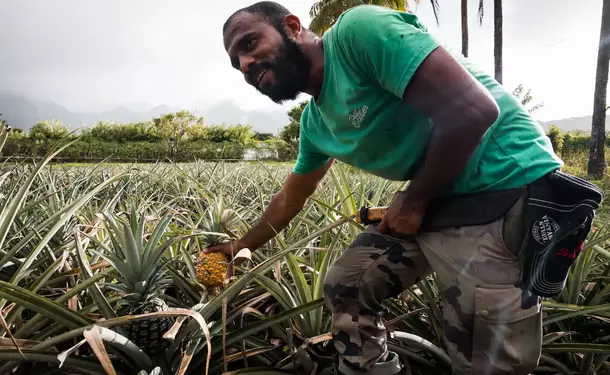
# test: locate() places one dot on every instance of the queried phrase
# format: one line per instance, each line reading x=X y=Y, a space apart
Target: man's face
x=270 y=60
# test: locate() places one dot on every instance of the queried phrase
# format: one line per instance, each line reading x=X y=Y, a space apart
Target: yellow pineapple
x=212 y=269
x=219 y=224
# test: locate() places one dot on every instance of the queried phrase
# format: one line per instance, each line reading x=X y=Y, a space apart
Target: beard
x=291 y=69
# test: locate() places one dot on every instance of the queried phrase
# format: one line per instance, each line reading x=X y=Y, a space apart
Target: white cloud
x=79 y=53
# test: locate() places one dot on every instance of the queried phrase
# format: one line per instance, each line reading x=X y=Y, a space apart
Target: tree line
x=183 y=137
x=179 y=136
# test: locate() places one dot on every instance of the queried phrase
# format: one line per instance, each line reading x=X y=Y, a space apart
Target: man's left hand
x=404 y=216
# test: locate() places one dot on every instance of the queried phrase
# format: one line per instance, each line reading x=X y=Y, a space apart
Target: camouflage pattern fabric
x=486 y=331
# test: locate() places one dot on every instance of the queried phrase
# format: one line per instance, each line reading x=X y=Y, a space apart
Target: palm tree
x=498 y=38
x=597 y=161
x=324 y=13
x=465 y=28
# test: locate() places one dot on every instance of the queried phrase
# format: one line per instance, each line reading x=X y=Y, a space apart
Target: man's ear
x=293 y=25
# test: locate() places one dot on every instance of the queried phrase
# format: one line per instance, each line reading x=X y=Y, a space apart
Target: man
x=387 y=98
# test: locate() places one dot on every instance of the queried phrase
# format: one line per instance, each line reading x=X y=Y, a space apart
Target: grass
x=59 y=298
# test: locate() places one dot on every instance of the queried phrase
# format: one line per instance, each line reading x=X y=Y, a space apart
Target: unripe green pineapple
x=142 y=278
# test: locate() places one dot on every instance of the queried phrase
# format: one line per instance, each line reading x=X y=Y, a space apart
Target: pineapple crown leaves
x=138 y=261
x=220 y=222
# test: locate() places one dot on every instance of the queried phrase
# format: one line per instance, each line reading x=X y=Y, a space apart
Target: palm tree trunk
x=465 y=28
x=597 y=160
x=498 y=40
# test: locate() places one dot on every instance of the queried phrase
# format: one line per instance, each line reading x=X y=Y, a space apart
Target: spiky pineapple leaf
x=43 y=306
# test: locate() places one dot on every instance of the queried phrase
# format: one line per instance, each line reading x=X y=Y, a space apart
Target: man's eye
x=251 y=43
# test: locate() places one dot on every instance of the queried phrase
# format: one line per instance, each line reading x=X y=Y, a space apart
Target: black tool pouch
x=558 y=215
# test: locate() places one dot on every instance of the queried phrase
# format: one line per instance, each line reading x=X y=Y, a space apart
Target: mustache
x=257 y=68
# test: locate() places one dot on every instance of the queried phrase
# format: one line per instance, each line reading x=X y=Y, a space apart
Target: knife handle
x=369 y=215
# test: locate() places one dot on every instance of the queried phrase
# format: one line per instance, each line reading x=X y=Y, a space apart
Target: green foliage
x=556 y=136
x=290 y=133
x=261 y=137
x=324 y=13
x=172 y=129
x=525 y=97
x=574 y=142
x=239 y=134
x=179 y=137
x=48 y=130
x=118 y=132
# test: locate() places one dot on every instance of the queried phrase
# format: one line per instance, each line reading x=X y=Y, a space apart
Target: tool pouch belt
x=557 y=217
x=469 y=209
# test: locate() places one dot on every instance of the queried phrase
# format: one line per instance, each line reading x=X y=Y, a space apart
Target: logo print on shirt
x=357 y=116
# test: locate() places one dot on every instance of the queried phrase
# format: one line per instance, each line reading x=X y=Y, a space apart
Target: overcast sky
x=86 y=54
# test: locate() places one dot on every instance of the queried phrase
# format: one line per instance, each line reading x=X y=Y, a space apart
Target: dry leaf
x=97 y=344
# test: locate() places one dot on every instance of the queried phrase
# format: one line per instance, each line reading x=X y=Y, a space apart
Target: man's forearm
x=276 y=217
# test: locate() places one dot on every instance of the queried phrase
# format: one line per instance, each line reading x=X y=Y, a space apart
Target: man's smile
x=260 y=77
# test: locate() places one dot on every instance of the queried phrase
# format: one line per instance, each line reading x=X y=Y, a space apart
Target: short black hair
x=269 y=11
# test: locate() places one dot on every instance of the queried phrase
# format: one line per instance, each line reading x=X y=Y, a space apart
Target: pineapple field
x=101 y=272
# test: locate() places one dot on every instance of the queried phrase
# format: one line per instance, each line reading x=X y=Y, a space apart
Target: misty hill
x=228 y=112
x=23 y=113
x=572 y=123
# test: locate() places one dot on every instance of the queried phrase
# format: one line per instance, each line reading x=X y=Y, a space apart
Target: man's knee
x=339 y=287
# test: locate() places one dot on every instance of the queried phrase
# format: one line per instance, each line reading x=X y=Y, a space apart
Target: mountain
x=572 y=123
x=21 y=112
x=228 y=112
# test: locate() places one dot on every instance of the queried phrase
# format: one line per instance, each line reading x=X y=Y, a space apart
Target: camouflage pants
x=485 y=329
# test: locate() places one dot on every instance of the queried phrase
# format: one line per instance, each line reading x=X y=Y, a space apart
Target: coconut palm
x=597 y=162
x=324 y=13
x=498 y=38
x=464 y=11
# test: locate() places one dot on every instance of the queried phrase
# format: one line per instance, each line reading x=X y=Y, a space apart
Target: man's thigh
x=478 y=268
x=373 y=268
x=378 y=267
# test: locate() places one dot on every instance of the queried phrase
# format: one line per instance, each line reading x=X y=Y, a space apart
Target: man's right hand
x=230 y=249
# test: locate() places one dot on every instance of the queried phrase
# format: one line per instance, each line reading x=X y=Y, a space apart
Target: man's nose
x=245 y=63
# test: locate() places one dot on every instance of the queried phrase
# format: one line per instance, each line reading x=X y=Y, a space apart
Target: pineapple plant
x=142 y=279
x=218 y=223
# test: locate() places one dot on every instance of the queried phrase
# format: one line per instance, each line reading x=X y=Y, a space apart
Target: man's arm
x=461 y=109
x=284 y=206
x=394 y=50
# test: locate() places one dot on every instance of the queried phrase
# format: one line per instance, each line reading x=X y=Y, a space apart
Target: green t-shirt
x=359 y=118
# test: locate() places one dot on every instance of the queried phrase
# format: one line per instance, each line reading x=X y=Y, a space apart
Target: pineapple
x=218 y=223
x=142 y=279
x=212 y=269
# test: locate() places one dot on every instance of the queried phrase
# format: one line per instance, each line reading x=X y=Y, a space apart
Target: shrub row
x=90 y=150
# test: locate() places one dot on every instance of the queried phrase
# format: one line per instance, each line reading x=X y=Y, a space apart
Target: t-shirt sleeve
x=309 y=158
x=386 y=45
